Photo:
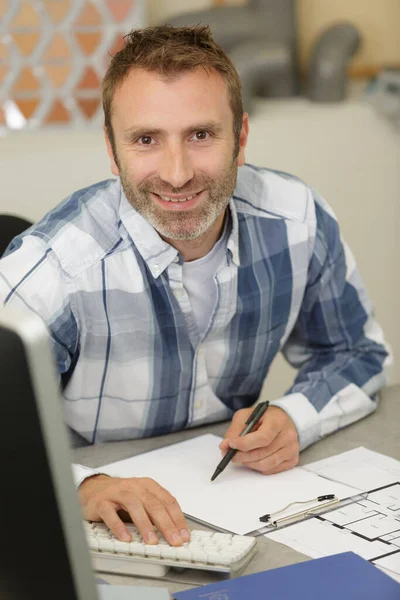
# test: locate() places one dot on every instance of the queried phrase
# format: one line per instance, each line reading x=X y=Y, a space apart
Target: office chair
x=10 y=226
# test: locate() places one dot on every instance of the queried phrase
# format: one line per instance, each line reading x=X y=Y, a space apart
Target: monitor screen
x=43 y=550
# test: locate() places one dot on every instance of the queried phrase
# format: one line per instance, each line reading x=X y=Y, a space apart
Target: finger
x=224 y=445
x=108 y=513
x=177 y=516
x=253 y=456
x=283 y=466
x=283 y=439
x=236 y=427
x=140 y=517
x=272 y=423
x=172 y=507
x=273 y=464
x=260 y=438
x=160 y=517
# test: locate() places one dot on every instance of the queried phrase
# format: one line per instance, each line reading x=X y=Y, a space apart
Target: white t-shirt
x=200 y=285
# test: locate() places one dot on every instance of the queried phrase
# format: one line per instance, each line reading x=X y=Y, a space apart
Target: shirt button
x=178 y=293
x=156 y=270
x=197 y=404
x=176 y=259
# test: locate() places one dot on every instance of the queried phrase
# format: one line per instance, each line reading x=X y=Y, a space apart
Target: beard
x=185 y=224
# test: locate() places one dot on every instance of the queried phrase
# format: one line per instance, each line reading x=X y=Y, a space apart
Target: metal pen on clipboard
x=268 y=518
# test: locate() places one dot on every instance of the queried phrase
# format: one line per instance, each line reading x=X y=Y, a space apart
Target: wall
x=378 y=20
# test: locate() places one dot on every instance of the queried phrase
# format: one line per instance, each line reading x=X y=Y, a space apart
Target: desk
x=379 y=431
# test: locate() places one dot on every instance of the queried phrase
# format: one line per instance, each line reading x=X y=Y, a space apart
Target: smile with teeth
x=169 y=199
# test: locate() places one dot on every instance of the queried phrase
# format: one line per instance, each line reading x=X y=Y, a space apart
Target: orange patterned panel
x=120 y=9
x=57 y=10
x=26 y=81
x=88 y=106
x=118 y=44
x=58 y=48
x=3 y=73
x=26 y=42
x=89 y=80
x=89 y=15
x=4 y=52
x=58 y=113
x=3 y=7
x=26 y=16
x=27 y=106
x=88 y=42
x=57 y=74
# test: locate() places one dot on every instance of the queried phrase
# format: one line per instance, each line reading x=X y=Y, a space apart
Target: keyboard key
x=150 y=550
x=137 y=548
x=168 y=552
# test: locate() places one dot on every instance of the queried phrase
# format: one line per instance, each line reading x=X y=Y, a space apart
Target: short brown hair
x=170 y=51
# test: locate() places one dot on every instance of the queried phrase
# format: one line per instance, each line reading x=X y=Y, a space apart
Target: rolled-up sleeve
x=336 y=343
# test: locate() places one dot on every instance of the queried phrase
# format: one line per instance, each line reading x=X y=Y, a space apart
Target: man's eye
x=202 y=135
x=145 y=140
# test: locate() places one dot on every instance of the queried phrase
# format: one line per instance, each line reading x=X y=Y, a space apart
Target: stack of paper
x=370 y=526
x=233 y=502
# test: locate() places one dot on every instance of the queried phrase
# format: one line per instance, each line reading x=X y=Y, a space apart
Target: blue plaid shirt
x=110 y=291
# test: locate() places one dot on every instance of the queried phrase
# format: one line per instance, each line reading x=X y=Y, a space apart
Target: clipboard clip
x=328 y=499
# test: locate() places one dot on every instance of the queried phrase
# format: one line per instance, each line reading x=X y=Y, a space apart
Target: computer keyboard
x=206 y=550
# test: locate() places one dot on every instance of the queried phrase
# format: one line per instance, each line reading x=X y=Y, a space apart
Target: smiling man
x=177 y=167
x=169 y=290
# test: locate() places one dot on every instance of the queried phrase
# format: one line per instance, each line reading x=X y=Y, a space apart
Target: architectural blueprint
x=370 y=527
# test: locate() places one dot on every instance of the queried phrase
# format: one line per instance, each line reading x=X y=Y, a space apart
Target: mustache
x=157 y=186
x=175 y=191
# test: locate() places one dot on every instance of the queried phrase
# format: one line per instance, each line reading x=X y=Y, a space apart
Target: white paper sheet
x=392 y=563
x=237 y=498
x=369 y=527
x=374 y=527
x=393 y=538
x=360 y=467
x=319 y=538
x=351 y=513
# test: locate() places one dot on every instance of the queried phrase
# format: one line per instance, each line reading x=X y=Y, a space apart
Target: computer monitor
x=43 y=550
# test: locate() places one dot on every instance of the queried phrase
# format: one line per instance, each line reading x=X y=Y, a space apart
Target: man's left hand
x=271 y=448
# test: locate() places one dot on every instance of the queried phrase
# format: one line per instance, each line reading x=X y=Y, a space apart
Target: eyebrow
x=137 y=132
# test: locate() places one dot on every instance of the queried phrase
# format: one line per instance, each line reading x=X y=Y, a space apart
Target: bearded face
x=175 y=150
x=199 y=205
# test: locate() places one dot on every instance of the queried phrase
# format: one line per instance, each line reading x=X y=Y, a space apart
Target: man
x=168 y=291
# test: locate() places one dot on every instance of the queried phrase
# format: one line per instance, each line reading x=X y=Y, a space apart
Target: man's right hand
x=145 y=502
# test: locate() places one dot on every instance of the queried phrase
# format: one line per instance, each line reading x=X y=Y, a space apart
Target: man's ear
x=114 y=166
x=243 y=140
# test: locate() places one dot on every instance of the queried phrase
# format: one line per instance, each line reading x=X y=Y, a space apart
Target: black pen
x=250 y=424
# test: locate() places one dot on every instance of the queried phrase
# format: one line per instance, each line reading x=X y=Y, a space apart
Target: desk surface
x=379 y=432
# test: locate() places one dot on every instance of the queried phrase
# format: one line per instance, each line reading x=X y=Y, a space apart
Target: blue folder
x=344 y=576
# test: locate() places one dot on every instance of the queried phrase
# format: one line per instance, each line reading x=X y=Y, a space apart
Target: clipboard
x=315 y=510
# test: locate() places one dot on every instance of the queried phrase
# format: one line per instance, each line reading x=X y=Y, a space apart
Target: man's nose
x=176 y=167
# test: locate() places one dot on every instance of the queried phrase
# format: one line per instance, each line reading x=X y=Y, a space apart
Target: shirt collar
x=233 y=240
x=157 y=253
